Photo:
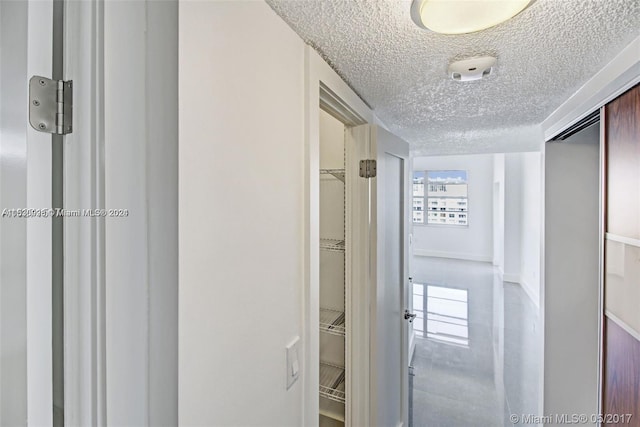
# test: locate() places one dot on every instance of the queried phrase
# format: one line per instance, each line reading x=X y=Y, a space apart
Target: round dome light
x=464 y=16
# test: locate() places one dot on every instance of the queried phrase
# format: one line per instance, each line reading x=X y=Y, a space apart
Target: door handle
x=409 y=316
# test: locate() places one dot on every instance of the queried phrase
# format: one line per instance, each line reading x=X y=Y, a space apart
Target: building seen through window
x=445 y=200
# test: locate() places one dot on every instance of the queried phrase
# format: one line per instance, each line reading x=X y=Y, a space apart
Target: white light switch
x=293 y=364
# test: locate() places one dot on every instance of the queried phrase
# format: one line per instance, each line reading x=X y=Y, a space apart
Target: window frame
x=425 y=198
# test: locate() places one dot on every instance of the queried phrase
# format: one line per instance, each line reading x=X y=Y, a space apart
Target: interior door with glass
x=389 y=270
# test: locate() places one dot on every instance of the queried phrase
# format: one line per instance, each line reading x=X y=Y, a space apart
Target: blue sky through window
x=447 y=177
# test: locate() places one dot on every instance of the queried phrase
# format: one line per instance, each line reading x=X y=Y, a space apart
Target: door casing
x=323 y=87
x=326 y=90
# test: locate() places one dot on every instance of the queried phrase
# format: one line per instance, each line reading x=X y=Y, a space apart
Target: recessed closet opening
x=572 y=270
x=333 y=279
x=340 y=137
x=355 y=356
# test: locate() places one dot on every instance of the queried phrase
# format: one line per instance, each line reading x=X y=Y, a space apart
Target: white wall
x=530 y=237
x=474 y=242
x=571 y=294
x=499 y=210
x=512 y=216
x=241 y=214
x=523 y=212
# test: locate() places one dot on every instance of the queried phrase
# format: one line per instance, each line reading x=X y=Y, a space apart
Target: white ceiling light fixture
x=464 y=16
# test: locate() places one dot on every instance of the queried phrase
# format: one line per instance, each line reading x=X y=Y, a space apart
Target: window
x=445 y=200
x=418 y=197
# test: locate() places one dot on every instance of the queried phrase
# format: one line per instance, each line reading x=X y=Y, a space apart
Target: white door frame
x=84 y=241
x=319 y=76
x=121 y=290
x=359 y=279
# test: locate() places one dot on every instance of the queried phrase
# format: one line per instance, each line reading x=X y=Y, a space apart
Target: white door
x=389 y=253
x=26 y=49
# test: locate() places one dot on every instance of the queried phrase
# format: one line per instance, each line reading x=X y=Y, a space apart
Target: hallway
x=476 y=358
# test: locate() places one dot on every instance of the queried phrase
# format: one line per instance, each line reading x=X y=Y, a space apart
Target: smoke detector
x=472 y=68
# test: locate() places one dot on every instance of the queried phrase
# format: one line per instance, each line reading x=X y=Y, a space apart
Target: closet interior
x=333 y=396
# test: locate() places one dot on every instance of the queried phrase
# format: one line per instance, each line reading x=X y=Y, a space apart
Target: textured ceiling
x=544 y=55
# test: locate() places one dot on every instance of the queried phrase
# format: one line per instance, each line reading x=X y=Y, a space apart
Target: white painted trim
x=531 y=293
x=601 y=236
x=318 y=72
x=84 y=240
x=311 y=268
x=141 y=175
x=619 y=75
x=541 y=311
x=628 y=329
x=359 y=294
x=407 y=286
x=622 y=239
x=511 y=278
x=91 y=166
x=454 y=255
x=526 y=287
x=126 y=242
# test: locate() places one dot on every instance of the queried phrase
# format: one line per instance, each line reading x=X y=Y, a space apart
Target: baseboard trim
x=454 y=255
x=511 y=278
x=518 y=280
x=530 y=293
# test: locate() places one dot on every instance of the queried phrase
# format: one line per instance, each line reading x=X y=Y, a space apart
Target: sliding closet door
x=621 y=385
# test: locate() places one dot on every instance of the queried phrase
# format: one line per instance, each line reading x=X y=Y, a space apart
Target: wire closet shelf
x=336 y=173
x=332 y=382
x=334 y=245
x=332 y=321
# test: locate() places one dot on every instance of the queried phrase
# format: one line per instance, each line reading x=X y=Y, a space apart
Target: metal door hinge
x=51 y=105
x=368 y=168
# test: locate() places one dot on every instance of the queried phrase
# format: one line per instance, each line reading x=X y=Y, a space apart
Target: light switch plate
x=293 y=362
